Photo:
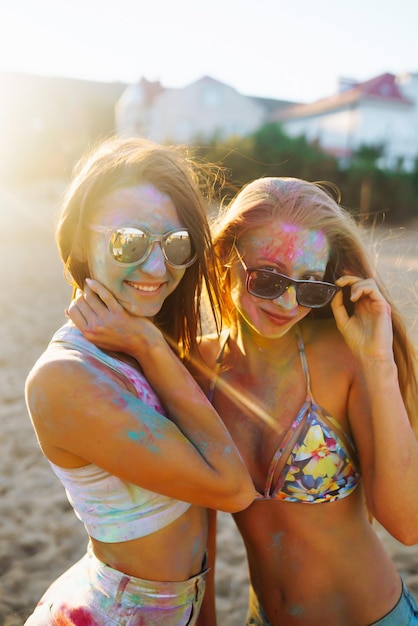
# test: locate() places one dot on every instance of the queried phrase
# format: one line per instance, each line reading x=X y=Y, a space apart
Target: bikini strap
x=217 y=367
x=295 y=432
x=304 y=361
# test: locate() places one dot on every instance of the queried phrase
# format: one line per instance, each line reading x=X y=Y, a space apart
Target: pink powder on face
x=289 y=244
x=152 y=194
x=140 y=205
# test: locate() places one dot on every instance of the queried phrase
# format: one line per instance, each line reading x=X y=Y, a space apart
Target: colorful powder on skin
x=141 y=206
x=150 y=430
x=154 y=195
x=293 y=244
x=276 y=540
x=143 y=437
x=146 y=406
x=296 y=611
x=145 y=196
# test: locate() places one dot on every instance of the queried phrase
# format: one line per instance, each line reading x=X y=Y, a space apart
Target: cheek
x=98 y=258
x=103 y=272
x=242 y=300
x=176 y=278
x=238 y=292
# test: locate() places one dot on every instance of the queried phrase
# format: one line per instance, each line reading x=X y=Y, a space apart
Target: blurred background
x=324 y=90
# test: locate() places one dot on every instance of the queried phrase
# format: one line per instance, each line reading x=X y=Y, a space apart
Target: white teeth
x=148 y=288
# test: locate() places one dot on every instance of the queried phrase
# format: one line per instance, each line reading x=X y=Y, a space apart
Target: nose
x=154 y=264
x=287 y=300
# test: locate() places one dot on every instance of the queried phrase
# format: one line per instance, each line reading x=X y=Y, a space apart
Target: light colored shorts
x=404 y=613
x=92 y=594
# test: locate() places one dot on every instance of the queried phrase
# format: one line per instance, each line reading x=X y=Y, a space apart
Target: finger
x=75 y=314
x=360 y=287
x=98 y=307
x=78 y=295
x=104 y=294
x=348 y=280
x=339 y=311
x=87 y=309
x=364 y=290
x=368 y=292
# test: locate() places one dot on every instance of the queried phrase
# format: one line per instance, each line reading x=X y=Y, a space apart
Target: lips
x=146 y=288
x=278 y=319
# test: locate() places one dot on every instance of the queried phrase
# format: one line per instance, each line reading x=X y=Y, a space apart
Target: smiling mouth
x=279 y=319
x=151 y=289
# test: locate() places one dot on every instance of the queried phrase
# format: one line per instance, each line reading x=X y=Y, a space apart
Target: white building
x=204 y=109
x=134 y=108
x=381 y=111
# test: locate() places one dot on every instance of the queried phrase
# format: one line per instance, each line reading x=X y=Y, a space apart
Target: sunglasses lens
x=128 y=245
x=269 y=285
x=314 y=295
x=266 y=284
x=178 y=248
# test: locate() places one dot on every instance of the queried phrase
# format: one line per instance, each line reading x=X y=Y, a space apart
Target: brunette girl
x=137 y=446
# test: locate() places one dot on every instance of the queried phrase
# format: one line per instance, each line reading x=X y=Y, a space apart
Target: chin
x=274 y=334
x=142 y=310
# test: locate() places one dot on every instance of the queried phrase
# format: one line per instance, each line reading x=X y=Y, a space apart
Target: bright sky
x=284 y=49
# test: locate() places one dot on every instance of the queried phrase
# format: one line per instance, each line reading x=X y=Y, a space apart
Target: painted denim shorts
x=92 y=594
x=404 y=613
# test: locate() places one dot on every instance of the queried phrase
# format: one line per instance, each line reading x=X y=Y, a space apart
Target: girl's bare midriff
x=318 y=565
x=164 y=555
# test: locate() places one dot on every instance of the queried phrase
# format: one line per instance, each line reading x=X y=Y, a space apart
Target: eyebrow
x=280 y=264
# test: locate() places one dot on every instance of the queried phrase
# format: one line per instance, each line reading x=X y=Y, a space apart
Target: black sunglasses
x=132 y=246
x=270 y=285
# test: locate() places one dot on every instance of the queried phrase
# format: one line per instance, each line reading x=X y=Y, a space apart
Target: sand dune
x=39 y=534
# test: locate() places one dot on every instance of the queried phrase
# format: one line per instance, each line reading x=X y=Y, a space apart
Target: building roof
x=142 y=93
x=383 y=88
x=270 y=104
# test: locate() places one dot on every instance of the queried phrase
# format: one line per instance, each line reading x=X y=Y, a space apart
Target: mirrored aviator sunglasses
x=270 y=285
x=132 y=246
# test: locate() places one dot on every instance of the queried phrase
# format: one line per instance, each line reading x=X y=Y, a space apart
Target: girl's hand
x=368 y=332
x=104 y=322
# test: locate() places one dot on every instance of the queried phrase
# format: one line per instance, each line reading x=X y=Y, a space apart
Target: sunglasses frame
x=152 y=238
x=290 y=282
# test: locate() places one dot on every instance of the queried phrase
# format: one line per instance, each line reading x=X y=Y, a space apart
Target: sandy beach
x=39 y=534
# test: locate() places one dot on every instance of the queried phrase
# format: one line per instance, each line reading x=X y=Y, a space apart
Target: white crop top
x=112 y=509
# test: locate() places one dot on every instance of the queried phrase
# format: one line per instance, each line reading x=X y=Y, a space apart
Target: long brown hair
x=124 y=162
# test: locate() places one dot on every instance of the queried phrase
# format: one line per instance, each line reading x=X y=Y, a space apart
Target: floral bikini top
x=316 y=460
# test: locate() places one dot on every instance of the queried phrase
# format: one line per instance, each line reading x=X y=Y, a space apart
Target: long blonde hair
x=311 y=206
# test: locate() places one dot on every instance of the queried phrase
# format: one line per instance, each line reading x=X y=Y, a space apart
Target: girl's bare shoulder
x=60 y=371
